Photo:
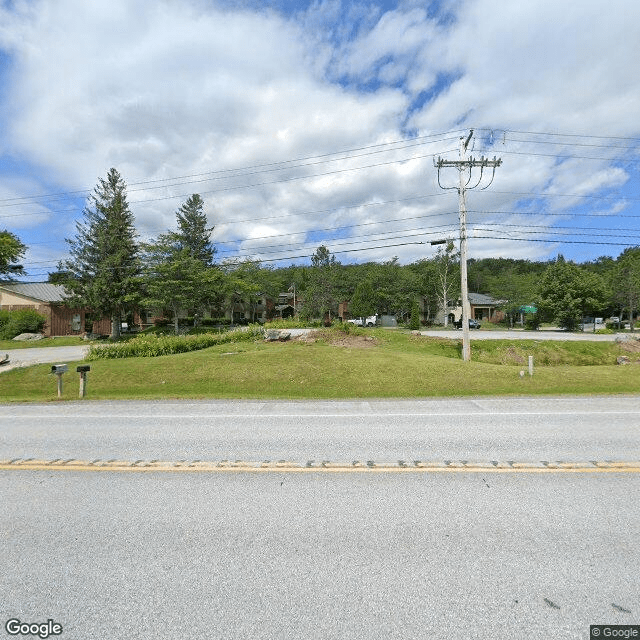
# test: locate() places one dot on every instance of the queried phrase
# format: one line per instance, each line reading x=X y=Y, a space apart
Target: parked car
x=371 y=321
x=473 y=324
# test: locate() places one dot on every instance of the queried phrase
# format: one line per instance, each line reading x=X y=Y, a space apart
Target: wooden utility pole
x=465 y=168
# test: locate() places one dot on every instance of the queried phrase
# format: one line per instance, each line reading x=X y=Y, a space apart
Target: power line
x=563 y=156
x=575 y=144
x=346 y=154
x=589 y=242
x=346 y=241
x=556 y=215
x=338 y=242
x=271 y=182
x=550 y=229
x=308 y=255
x=259 y=168
x=558 y=134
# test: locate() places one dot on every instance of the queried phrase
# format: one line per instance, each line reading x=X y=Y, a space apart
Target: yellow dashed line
x=284 y=466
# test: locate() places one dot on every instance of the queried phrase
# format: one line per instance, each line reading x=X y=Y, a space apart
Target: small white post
x=530 y=365
x=82 y=370
x=59 y=370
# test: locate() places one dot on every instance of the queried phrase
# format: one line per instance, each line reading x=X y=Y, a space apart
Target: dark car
x=473 y=324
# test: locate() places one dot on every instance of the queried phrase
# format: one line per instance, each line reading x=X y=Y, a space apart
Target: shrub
x=292 y=323
x=151 y=345
x=13 y=323
x=414 y=323
x=213 y=322
x=348 y=329
x=532 y=322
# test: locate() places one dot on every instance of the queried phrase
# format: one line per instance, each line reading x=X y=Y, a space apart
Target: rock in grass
x=27 y=337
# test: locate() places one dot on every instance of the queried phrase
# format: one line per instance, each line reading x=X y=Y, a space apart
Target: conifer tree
x=104 y=268
x=193 y=233
x=179 y=271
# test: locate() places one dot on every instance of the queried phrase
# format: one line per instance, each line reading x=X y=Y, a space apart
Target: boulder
x=275 y=335
x=27 y=337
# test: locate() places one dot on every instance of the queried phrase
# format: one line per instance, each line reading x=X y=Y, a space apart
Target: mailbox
x=82 y=370
x=59 y=369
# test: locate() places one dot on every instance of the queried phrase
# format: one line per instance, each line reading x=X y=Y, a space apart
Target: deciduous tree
x=320 y=292
x=568 y=292
x=626 y=282
x=362 y=302
x=11 y=251
x=447 y=275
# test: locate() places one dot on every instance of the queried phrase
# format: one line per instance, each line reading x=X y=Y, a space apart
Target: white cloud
x=183 y=88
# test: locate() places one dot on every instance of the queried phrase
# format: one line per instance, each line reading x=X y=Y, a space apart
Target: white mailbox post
x=82 y=370
x=59 y=370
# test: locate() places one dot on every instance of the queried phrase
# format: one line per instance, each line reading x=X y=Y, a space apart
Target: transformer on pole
x=465 y=169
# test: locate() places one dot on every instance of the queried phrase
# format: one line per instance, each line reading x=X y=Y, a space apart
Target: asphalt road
x=320 y=556
x=39 y=355
x=529 y=429
x=507 y=553
x=517 y=334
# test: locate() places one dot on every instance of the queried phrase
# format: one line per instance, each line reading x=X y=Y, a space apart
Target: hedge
x=13 y=323
x=152 y=345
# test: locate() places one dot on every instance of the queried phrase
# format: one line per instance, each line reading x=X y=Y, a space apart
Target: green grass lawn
x=65 y=341
x=395 y=365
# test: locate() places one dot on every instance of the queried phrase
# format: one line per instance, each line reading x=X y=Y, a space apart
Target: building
x=48 y=300
x=483 y=309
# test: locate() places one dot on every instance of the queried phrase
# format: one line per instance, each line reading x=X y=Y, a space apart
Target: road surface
x=40 y=355
x=479 y=334
x=501 y=551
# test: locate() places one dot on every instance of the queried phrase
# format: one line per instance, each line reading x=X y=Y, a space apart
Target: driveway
x=28 y=357
x=516 y=334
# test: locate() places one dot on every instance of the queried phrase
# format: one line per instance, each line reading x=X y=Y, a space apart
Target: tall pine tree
x=179 y=272
x=193 y=233
x=104 y=267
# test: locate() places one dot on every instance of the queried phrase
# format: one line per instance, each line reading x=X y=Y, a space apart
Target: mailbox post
x=59 y=370
x=82 y=370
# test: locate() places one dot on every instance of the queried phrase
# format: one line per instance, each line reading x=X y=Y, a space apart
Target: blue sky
x=308 y=122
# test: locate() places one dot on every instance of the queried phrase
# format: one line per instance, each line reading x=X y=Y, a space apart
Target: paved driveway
x=516 y=334
x=28 y=357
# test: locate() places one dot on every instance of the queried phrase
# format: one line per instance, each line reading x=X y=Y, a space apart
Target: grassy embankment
x=66 y=341
x=392 y=365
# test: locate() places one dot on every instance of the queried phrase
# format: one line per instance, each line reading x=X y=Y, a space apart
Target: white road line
x=227 y=416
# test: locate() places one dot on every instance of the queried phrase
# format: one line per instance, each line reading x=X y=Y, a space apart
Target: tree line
x=111 y=273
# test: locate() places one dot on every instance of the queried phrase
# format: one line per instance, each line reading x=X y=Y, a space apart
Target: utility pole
x=465 y=169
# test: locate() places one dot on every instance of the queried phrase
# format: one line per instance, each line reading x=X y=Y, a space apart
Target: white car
x=371 y=321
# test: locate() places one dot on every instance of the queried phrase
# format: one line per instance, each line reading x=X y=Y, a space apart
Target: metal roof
x=42 y=291
x=482 y=299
